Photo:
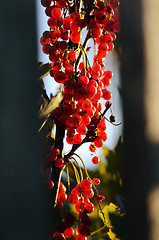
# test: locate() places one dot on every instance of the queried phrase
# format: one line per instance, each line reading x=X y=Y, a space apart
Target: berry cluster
x=80 y=197
x=80 y=112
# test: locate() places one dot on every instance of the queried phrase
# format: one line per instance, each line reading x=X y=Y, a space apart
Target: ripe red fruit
x=62 y=187
x=73 y=198
x=86 y=185
x=96 y=181
x=82 y=129
x=62 y=197
x=95 y=32
x=83 y=79
x=59 y=163
x=72 y=55
x=96 y=67
x=106 y=94
x=85 y=119
x=58 y=236
x=100 y=198
x=49 y=184
x=98 y=142
x=92 y=148
x=56 y=66
x=89 y=207
x=102 y=135
x=74 y=27
x=75 y=37
x=77 y=139
x=52 y=22
x=79 y=206
x=61 y=3
x=86 y=105
x=69 y=232
x=82 y=23
x=95 y=160
x=45 y=3
x=56 y=12
x=75 y=17
x=80 y=237
x=59 y=77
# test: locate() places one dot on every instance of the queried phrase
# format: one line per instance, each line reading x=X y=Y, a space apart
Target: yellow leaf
x=102 y=168
x=105 y=151
x=112 y=235
x=104 y=215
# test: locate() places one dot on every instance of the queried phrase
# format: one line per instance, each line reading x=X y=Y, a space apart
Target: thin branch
x=89 y=135
x=80 y=54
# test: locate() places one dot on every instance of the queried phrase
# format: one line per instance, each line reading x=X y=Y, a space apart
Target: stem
x=78 y=167
x=80 y=54
x=88 y=135
x=76 y=172
x=98 y=230
x=57 y=172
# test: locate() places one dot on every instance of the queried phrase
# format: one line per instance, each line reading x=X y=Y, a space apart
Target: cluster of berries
x=80 y=196
x=83 y=86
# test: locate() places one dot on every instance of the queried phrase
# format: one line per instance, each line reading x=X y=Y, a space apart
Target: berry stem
x=57 y=172
x=88 y=36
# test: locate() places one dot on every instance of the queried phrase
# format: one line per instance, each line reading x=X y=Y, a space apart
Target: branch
x=90 y=136
x=57 y=172
x=84 y=47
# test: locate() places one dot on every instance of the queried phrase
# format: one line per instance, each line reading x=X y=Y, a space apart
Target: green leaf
x=114 y=220
x=111 y=208
x=44 y=69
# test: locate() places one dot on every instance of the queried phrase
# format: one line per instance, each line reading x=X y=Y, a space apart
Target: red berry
x=77 y=139
x=106 y=94
x=69 y=232
x=95 y=160
x=86 y=105
x=100 y=198
x=80 y=237
x=45 y=3
x=85 y=119
x=49 y=184
x=58 y=236
x=82 y=129
x=62 y=197
x=59 y=76
x=75 y=17
x=96 y=181
x=92 y=148
x=95 y=32
x=83 y=79
x=59 y=163
x=75 y=37
x=98 y=142
x=89 y=207
x=56 y=12
x=72 y=55
x=86 y=185
x=73 y=198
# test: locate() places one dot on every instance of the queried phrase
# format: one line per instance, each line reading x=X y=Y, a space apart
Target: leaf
x=102 y=168
x=112 y=235
x=48 y=108
x=111 y=208
x=44 y=69
x=105 y=151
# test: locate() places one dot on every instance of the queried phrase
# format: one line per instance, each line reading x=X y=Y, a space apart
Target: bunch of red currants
x=83 y=86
